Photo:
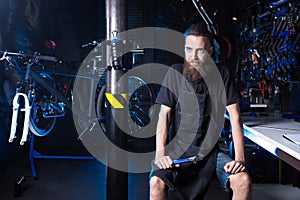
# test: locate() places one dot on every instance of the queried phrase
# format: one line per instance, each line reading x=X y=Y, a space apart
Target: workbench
x=267 y=132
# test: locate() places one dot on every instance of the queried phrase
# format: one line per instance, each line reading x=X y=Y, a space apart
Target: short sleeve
x=169 y=90
x=232 y=92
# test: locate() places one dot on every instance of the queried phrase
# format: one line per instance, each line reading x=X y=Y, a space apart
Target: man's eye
x=201 y=50
x=188 y=49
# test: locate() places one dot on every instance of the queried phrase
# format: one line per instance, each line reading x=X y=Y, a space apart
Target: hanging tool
x=263 y=87
x=205 y=17
x=278 y=3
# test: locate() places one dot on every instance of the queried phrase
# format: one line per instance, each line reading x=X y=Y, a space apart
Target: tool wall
x=268 y=46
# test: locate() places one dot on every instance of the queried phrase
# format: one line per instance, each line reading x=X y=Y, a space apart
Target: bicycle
x=48 y=92
x=142 y=95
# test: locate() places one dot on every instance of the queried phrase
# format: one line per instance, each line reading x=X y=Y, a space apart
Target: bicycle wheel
x=44 y=113
x=142 y=98
x=39 y=125
x=101 y=108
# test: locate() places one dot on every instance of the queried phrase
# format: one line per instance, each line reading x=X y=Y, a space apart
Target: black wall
x=26 y=25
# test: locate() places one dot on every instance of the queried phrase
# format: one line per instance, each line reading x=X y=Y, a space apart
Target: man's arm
x=238 y=140
x=161 y=160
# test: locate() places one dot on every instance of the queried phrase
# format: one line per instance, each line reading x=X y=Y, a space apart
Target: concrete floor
x=86 y=180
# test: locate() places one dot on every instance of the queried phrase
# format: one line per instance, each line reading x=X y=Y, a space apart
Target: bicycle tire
x=140 y=104
x=100 y=108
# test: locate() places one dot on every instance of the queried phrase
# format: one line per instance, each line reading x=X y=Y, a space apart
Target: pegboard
x=268 y=47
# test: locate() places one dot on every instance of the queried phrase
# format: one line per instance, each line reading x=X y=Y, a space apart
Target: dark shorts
x=191 y=182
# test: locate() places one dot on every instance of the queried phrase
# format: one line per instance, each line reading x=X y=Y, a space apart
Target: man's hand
x=164 y=162
x=234 y=167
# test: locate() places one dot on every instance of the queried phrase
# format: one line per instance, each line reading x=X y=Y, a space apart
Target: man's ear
x=210 y=50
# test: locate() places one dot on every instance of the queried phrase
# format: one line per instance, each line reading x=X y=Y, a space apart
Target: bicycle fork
x=14 y=124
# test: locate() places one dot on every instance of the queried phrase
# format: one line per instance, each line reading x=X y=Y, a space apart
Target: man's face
x=197 y=50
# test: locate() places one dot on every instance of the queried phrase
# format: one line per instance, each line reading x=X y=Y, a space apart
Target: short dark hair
x=200 y=29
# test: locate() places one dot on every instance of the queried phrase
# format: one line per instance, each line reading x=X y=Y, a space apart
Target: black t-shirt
x=172 y=85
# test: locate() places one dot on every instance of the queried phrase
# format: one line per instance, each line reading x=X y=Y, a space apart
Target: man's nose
x=196 y=55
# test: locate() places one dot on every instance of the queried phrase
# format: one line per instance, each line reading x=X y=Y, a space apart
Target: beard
x=194 y=71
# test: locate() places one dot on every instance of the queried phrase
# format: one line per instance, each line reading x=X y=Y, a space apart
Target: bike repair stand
x=33 y=154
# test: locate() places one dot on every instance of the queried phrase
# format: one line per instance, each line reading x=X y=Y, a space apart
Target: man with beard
x=189 y=124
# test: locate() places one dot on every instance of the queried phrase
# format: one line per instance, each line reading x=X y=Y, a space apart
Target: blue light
x=252 y=135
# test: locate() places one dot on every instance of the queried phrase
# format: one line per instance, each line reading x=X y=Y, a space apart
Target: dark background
x=26 y=25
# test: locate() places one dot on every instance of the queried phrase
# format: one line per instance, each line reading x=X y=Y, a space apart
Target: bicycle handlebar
x=34 y=56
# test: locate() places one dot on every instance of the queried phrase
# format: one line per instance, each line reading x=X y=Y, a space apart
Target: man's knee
x=240 y=180
x=156 y=184
x=157 y=189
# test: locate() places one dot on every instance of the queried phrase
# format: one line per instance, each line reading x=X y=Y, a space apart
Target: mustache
x=199 y=62
x=191 y=72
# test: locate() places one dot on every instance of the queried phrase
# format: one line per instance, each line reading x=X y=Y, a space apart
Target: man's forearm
x=238 y=139
x=237 y=131
x=162 y=130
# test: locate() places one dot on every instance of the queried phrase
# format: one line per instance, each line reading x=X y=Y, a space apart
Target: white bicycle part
x=14 y=124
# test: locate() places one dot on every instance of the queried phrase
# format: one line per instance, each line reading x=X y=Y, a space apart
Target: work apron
x=192 y=119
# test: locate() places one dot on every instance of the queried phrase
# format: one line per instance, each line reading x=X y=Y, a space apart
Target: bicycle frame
x=33 y=76
x=28 y=95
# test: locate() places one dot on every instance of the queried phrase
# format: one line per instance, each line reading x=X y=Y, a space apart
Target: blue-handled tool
x=185 y=160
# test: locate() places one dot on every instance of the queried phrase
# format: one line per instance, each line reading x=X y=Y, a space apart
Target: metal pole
x=116 y=22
